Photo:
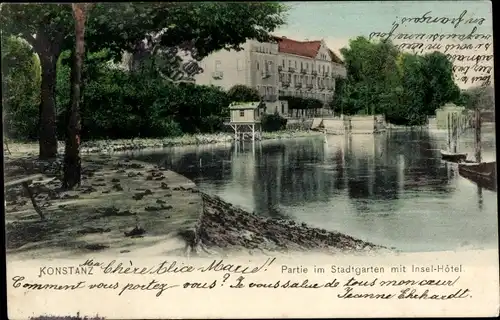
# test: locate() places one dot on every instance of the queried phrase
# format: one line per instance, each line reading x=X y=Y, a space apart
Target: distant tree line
x=405 y=87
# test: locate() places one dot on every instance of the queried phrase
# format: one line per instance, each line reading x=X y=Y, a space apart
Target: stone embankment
x=225 y=228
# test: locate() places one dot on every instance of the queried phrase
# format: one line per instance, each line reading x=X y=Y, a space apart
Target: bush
x=302 y=103
x=273 y=122
x=241 y=93
x=21 y=79
x=116 y=104
x=122 y=104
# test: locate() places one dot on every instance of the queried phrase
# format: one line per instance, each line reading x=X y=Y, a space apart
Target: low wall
x=334 y=126
x=299 y=124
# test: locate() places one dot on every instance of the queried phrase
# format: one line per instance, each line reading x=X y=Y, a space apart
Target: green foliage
x=242 y=93
x=202 y=27
x=405 y=87
x=477 y=97
x=20 y=88
x=273 y=122
x=199 y=27
x=121 y=104
x=302 y=103
x=440 y=85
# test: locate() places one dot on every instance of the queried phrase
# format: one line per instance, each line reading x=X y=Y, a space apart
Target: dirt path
x=120 y=207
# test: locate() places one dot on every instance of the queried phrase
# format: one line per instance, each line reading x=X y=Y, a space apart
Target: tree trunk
x=47 y=119
x=72 y=161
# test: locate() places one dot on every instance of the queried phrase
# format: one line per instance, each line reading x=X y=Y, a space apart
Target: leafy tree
x=20 y=88
x=242 y=93
x=201 y=28
x=441 y=88
x=404 y=87
x=337 y=101
x=410 y=109
x=478 y=97
x=372 y=73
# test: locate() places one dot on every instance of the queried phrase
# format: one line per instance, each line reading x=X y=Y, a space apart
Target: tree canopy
x=481 y=97
x=242 y=93
x=405 y=87
x=198 y=27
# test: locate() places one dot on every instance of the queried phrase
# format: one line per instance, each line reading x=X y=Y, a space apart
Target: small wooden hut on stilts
x=245 y=120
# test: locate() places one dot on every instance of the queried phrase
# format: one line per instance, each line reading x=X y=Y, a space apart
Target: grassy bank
x=116 y=145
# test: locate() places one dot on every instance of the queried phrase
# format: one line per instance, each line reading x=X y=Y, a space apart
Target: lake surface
x=391 y=189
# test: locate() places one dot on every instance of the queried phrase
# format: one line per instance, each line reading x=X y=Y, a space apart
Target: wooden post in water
x=455 y=132
x=478 y=135
x=448 y=124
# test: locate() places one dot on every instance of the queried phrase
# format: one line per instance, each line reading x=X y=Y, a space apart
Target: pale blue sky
x=347 y=19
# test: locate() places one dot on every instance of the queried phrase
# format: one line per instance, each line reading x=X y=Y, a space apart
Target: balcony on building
x=314 y=73
x=218 y=75
x=303 y=71
x=291 y=69
x=266 y=74
x=298 y=85
x=285 y=84
x=309 y=86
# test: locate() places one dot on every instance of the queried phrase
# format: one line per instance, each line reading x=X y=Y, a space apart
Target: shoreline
x=224 y=229
x=141 y=144
x=213 y=226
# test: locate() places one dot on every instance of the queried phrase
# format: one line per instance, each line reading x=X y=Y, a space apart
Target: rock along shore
x=224 y=228
x=125 y=206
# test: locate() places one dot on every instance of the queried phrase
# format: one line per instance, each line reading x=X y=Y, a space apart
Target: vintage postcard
x=249 y=160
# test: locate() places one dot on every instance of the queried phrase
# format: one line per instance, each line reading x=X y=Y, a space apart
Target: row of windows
x=305 y=66
x=264 y=49
x=268 y=66
x=306 y=79
x=305 y=94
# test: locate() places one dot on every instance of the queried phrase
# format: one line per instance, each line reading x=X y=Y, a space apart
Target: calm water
x=391 y=189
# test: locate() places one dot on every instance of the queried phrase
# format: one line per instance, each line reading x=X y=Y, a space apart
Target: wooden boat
x=484 y=173
x=453 y=157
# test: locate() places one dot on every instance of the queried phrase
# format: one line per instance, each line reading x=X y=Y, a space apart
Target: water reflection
x=390 y=188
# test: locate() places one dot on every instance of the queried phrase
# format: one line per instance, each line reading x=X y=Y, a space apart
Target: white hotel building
x=287 y=67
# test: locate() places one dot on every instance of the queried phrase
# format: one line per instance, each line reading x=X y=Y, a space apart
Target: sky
x=337 y=22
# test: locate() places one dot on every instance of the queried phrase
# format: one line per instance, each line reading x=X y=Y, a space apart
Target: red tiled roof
x=303 y=48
